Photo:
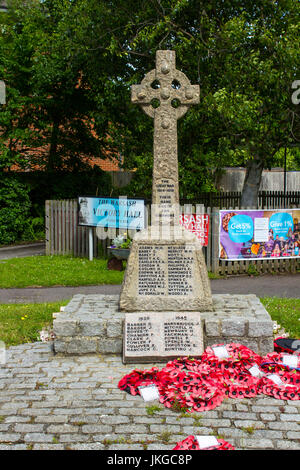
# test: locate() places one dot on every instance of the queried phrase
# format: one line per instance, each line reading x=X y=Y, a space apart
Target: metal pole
x=284 y=183
x=91 y=246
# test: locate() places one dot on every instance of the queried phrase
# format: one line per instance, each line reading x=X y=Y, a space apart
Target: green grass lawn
x=21 y=323
x=41 y=271
x=286 y=312
x=47 y=271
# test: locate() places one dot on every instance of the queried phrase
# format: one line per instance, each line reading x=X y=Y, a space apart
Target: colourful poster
x=198 y=224
x=259 y=234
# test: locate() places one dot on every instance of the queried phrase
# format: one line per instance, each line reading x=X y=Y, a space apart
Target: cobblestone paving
x=57 y=403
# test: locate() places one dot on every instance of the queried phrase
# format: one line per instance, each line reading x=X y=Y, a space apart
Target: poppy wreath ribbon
x=287 y=345
x=275 y=361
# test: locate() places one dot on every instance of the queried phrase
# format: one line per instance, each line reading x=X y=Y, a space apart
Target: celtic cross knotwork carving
x=165 y=91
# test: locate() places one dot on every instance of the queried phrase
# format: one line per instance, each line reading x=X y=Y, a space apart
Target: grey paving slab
x=41 y=409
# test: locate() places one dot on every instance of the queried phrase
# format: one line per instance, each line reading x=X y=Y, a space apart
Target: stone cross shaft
x=165 y=94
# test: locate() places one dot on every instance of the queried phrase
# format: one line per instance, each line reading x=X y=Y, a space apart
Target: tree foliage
x=245 y=56
x=52 y=105
x=69 y=65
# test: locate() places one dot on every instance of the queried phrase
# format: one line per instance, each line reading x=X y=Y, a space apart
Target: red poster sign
x=198 y=224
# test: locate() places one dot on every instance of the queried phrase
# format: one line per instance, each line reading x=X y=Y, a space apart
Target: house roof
x=105 y=165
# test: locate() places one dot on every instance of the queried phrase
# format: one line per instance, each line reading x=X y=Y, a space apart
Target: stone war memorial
x=165 y=308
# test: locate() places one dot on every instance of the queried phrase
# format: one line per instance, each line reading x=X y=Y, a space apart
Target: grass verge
x=21 y=323
x=49 y=271
x=286 y=312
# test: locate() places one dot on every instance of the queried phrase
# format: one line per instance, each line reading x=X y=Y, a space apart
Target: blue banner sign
x=111 y=212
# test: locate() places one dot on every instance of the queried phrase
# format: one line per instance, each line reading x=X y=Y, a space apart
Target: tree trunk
x=53 y=160
x=252 y=183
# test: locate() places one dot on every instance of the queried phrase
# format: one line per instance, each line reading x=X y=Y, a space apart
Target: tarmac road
x=19 y=251
x=283 y=285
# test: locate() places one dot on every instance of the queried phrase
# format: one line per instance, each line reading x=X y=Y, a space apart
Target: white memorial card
x=290 y=360
x=207 y=441
x=255 y=372
x=275 y=378
x=220 y=351
x=149 y=392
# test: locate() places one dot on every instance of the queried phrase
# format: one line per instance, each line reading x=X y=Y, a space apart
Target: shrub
x=14 y=211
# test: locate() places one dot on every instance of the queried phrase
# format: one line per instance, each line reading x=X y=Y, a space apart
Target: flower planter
x=119 y=253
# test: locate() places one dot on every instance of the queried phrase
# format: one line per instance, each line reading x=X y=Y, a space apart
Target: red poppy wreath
x=191 y=443
x=231 y=370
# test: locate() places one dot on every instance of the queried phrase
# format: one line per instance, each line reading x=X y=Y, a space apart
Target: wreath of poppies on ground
x=191 y=443
x=202 y=384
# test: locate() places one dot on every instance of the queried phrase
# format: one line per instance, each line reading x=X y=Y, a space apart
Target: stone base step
x=93 y=324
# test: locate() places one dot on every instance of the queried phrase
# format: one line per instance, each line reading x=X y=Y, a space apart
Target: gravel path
x=51 y=402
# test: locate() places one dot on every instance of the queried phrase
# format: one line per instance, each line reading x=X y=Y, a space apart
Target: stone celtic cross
x=2 y=92
x=165 y=94
x=165 y=271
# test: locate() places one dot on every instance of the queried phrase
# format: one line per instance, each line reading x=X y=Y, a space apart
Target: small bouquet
x=46 y=335
x=121 y=241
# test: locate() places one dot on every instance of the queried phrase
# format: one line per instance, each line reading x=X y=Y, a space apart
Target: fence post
x=215 y=240
x=91 y=244
x=208 y=249
x=47 y=227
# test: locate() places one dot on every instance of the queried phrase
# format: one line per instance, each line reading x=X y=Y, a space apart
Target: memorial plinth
x=166 y=274
x=93 y=324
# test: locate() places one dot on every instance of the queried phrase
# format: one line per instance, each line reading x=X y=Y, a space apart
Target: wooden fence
x=266 y=199
x=64 y=236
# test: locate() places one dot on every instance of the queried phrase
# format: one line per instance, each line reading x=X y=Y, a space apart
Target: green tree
x=51 y=104
x=76 y=61
x=48 y=119
x=245 y=56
